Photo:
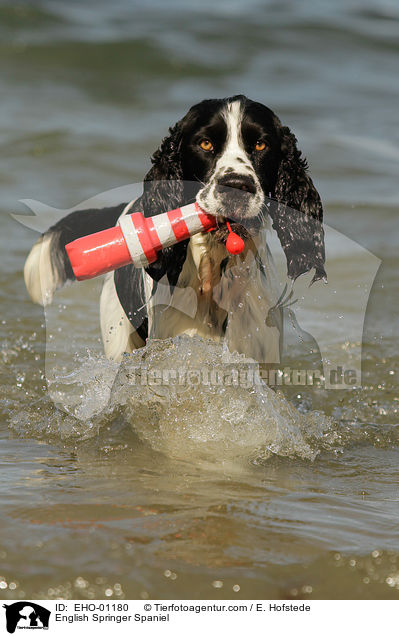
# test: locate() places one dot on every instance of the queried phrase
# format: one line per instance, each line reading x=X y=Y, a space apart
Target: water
x=137 y=492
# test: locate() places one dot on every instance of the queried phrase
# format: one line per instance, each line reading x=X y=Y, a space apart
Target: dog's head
x=233 y=156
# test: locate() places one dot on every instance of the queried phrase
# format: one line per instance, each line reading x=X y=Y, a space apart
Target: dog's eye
x=206 y=145
x=260 y=145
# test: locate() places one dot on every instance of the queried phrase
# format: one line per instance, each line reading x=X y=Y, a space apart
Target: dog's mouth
x=222 y=231
x=236 y=209
x=246 y=228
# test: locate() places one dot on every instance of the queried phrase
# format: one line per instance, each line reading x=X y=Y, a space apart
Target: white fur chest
x=219 y=295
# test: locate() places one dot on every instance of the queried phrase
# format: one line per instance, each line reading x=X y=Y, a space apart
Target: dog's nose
x=238 y=181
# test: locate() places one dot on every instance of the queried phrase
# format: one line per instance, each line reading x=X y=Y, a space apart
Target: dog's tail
x=47 y=267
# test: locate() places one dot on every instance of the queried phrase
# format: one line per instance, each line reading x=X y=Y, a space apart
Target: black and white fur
x=251 y=173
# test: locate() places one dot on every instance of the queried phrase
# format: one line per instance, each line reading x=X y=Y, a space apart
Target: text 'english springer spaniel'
x=236 y=160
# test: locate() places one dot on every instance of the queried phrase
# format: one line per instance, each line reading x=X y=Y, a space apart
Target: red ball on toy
x=234 y=243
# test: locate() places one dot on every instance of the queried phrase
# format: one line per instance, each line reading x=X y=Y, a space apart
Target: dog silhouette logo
x=26 y=615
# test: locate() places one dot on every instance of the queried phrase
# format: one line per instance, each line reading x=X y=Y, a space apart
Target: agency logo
x=306 y=335
x=26 y=615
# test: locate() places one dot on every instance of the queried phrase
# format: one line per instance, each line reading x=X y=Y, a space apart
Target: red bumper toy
x=138 y=240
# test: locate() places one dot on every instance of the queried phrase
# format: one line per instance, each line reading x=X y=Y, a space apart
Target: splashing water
x=187 y=397
x=190 y=397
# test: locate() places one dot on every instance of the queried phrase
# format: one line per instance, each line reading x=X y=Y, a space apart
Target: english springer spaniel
x=234 y=157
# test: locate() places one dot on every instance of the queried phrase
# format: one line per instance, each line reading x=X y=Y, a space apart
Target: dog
x=239 y=163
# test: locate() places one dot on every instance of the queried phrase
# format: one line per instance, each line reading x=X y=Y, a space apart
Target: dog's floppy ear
x=163 y=184
x=163 y=191
x=298 y=214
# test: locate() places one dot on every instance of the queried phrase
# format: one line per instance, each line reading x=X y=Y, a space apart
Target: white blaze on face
x=234 y=155
x=233 y=160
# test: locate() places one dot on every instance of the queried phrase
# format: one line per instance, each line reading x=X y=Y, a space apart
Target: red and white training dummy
x=138 y=240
